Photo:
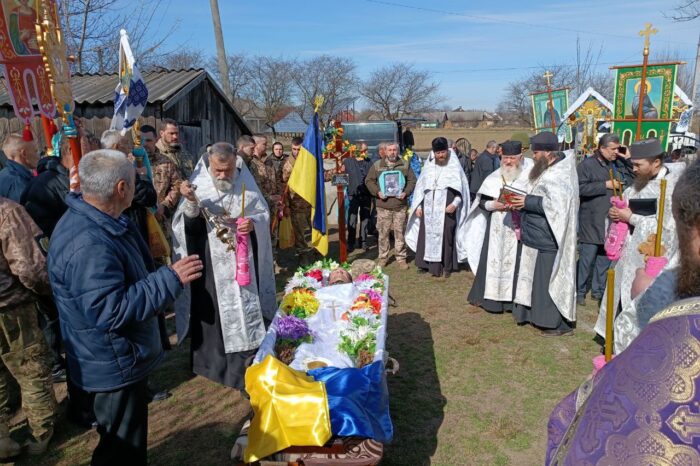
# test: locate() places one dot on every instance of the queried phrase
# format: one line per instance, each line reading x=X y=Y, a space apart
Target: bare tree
x=182 y=59
x=686 y=10
x=334 y=78
x=684 y=76
x=399 y=89
x=240 y=81
x=91 y=30
x=271 y=85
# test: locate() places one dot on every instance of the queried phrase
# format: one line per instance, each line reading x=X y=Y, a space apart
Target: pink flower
x=316 y=274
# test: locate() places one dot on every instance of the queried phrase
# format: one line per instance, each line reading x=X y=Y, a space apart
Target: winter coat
x=108 y=295
x=14 y=179
x=593 y=172
x=45 y=195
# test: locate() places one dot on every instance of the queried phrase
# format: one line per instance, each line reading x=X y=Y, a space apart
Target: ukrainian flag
x=307 y=181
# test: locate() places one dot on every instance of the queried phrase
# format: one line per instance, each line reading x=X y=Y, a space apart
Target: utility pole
x=695 y=84
x=220 y=50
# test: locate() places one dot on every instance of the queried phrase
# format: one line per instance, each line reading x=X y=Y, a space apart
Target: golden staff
x=612 y=181
x=610 y=315
x=660 y=220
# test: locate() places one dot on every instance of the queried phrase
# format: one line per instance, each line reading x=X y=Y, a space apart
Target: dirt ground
x=472 y=389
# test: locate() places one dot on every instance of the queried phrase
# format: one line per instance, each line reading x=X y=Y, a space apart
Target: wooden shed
x=190 y=97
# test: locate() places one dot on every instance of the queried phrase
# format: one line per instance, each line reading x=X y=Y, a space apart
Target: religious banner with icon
x=656 y=107
x=588 y=114
x=25 y=74
x=547 y=112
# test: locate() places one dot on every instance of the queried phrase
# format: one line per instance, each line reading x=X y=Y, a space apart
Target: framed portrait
x=544 y=110
x=391 y=183
x=656 y=105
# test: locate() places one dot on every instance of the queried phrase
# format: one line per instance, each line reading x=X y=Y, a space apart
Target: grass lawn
x=472 y=389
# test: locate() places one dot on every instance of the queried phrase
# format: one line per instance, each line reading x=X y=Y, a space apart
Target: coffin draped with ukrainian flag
x=334 y=384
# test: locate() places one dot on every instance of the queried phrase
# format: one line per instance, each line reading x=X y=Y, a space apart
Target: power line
x=517 y=68
x=510 y=21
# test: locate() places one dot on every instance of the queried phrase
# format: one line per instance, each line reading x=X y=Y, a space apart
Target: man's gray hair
x=686 y=197
x=110 y=138
x=607 y=139
x=381 y=145
x=245 y=140
x=491 y=144
x=101 y=170
x=390 y=144
x=222 y=151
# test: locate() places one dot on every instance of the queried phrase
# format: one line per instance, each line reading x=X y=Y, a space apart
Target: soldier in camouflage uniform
x=245 y=145
x=300 y=210
x=23 y=350
x=278 y=159
x=169 y=146
x=265 y=176
x=166 y=177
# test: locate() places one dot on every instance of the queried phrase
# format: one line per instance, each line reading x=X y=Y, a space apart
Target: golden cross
x=646 y=33
x=548 y=75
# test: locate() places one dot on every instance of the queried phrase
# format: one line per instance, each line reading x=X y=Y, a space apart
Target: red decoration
x=27 y=133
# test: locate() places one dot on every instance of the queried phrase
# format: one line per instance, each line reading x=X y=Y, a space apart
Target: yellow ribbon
x=290 y=409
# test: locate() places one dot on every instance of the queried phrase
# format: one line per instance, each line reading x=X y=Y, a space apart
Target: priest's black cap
x=439 y=144
x=512 y=148
x=545 y=141
x=646 y=149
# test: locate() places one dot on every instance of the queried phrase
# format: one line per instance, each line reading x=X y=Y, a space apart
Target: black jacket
x=593 y=172
x=145 y=196
x=357 y=171
x=484 y=165
x=44 y=198
x=535 y=230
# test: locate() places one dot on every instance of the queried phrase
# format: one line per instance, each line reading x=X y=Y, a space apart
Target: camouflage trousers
x=26 y=357
x=301 y=222
x=388 y=221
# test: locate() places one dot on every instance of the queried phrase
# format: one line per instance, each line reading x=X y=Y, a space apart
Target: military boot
x=8 y=447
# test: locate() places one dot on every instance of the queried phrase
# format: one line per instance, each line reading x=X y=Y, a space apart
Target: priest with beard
x=493 y=248
x=642 y=406
x=225 y=321
x=641 y=215
x=437 y=223
x=546 y=292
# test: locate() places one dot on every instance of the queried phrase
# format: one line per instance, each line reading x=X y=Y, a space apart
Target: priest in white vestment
x=437 y=220
x=546 y=291
x=225 y=321
x=493 y=248
x=641 y=215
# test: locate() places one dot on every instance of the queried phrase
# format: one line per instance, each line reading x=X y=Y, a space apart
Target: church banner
x=542 y=115
x=656 y=108
x=25 y=75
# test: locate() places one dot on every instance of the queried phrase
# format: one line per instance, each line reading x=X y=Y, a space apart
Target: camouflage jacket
x=166 y=178
x=23 y=273
x=279 y=169
x=182 y=160
x=296 y=203
x=264 y=173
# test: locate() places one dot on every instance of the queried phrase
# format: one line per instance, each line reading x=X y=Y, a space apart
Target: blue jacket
x=108 y=295
x=14 y=179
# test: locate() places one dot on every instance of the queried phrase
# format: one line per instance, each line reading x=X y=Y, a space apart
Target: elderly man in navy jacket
x=109 y=295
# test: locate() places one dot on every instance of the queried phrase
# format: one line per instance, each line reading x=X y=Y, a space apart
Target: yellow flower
x=301 y=303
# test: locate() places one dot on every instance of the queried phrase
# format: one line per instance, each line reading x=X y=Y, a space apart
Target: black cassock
x=476 y=294
x=208 y=356
x=449 y=251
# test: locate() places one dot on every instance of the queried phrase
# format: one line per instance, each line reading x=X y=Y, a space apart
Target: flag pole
x=342 y=236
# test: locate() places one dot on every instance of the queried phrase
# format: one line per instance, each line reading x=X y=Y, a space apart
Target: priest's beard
x=540 y=166
x=689 y=274
x=443 y=162
x=225 y=185
x=511 y=173
x=641 y=181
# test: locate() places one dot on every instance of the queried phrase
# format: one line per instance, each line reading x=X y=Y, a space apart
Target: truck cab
x=372 y=133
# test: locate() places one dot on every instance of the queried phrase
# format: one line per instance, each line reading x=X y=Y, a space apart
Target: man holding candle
x=545 y=295
x=596 y=186
x=223 y=315
x=641 y=407
x=641 y=214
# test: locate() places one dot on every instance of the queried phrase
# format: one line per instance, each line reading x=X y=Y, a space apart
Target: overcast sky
x=473 y=47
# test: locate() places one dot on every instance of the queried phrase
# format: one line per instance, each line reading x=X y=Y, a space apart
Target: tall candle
x=610 y=315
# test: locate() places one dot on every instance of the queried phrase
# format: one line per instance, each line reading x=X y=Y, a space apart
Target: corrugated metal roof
x=292 y=123
x=99 y=88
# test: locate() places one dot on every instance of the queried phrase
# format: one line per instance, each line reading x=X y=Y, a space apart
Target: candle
x=660 y=219
x=612 y=181
x=610 y=315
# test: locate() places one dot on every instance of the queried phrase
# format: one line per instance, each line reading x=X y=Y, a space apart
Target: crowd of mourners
x=94 y=257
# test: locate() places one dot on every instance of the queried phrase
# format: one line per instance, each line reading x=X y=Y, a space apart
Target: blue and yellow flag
x=307 y=181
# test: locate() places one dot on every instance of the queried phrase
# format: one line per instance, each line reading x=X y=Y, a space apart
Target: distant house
x=191 y=97
x=290 y=126
x=462 y=118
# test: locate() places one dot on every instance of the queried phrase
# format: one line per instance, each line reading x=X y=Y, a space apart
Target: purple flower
x=373 y=295
x=290 y=327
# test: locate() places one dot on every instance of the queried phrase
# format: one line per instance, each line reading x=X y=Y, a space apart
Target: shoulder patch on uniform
x=43 y=241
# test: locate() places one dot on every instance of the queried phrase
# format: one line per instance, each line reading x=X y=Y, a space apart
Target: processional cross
x=647 y=32
x=548 y=75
